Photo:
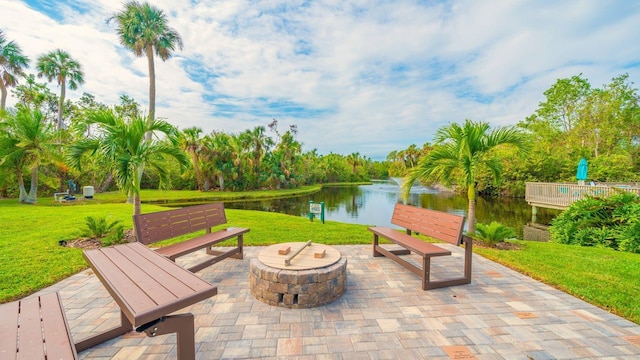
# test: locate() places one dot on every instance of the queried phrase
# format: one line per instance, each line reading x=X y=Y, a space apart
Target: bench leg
x=426 y=267
x=125 y=327
x=238 y=252
x=183 y=326
x=375 y=245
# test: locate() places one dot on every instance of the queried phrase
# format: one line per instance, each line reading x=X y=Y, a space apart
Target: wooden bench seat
x=163 y=225
x=35 y=328
x=436 y=224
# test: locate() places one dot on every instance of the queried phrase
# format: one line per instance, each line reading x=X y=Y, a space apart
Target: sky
x=364 y=76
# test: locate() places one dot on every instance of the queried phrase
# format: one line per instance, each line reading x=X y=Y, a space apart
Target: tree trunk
x=61 y=103
x=136 y=204
x=471 y=216
x=23 y=192
x=106 y=183
x=152 y=87
x=221 y=182
x=3 y=99
x=32 y=198
x=196 y=170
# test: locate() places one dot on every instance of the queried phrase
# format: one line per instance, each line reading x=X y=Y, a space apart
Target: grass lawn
x=30 y=257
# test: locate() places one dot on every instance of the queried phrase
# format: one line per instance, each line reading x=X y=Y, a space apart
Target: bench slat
x=436 y=224
x=177 y=273
x=416 y=245
x=30 y=332
x=35 y=328
x=55 y=329
x=9 y=328
x=188 y=246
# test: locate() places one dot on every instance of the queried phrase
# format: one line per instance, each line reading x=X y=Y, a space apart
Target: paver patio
x=384 y=314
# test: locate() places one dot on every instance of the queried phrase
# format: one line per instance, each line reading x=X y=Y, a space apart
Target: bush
x=99 y=227
x=612 y=222
x=493 y=233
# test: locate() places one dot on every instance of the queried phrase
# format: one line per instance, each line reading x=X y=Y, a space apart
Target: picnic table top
x=145 y=284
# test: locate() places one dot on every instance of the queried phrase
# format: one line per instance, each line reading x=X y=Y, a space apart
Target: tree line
x=574 y=121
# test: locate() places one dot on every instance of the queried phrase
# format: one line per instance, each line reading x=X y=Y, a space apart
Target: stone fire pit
x=298 y=275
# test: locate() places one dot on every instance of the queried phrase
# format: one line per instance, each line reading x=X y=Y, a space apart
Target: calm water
x=373 y=205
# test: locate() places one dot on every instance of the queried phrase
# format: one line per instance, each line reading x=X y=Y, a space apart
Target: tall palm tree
x=59 y=65
x=123 y=146
x=12 y=63
x=143 y=28
x=29 y=141
x=461 y=152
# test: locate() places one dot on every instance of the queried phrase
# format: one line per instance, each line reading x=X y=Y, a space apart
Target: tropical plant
x=124 y=148
x=12 y=64
x=59 y=65
x=612 y=222
x=143 y=28
x=98 y=227
x=461 y=152
x=493 y=233
x=189 y=140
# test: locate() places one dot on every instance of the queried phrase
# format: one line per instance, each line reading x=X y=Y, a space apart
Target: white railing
x=561 y=195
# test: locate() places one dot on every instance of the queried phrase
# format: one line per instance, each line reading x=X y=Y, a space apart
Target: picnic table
x=147 y=287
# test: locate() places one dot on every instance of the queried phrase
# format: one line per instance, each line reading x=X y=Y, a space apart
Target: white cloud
x=375 y=76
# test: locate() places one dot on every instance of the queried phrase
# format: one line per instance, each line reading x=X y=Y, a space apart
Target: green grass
x=30 y=257
x=603 y=277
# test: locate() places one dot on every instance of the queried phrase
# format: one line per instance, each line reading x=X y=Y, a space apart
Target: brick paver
x=384 y=314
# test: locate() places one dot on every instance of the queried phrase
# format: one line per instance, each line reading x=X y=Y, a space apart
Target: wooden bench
x=435 y=224
x=162 y=225
x=149 y=289
x=35 y=328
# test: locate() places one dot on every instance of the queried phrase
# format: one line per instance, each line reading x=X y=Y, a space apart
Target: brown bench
x=162 y=225
x=149 y=289
x=35 y=328
x=435 y=224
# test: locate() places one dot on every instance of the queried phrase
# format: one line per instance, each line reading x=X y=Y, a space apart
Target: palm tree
x=259 y=143
x=123 y=146
x=59 y=65
x=12 y=63
x=461 y=152
x=28 y=142
x=190 y=142
x=143 y=28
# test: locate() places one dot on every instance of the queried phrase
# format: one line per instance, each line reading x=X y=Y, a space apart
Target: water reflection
x=373 y=205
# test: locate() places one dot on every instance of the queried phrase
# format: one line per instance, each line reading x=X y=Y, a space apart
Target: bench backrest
x=436 y=224
x=168 y=224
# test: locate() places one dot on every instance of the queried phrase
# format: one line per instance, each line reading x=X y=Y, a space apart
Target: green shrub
x=612 y=222
x=99 y=227
x=493 y=232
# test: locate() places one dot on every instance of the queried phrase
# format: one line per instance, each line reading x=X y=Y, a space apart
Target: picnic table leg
x=125 y=327
x=183 y=326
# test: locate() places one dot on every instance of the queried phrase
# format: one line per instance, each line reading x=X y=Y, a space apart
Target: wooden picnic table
x=147 y=287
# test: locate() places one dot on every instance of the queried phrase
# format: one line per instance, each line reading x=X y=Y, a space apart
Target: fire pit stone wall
x=298 y=288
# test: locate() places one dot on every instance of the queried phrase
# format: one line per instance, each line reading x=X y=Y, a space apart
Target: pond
x=373 y=205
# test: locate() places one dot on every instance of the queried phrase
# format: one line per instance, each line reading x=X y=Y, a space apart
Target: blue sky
x=354 y=76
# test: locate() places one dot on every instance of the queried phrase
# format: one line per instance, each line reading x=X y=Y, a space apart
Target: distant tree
x=460 y=153
x=12 y=64
x=190 y=141
x=123 y=147
x=59 y=65
x=143 y=28
x=29 y=142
